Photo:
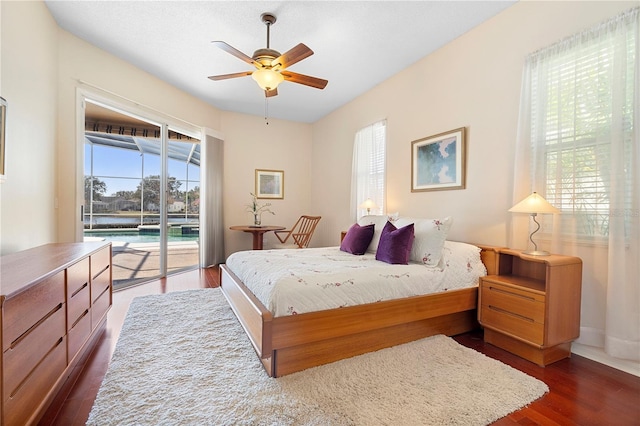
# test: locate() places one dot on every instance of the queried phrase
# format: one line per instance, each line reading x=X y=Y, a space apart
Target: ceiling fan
x=271 y=66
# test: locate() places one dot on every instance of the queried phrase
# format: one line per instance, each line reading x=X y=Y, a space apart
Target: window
x=369 y=169
x=582 y=117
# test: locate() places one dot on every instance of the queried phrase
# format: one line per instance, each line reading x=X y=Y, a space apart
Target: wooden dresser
x=54 y=301
x=531 y=307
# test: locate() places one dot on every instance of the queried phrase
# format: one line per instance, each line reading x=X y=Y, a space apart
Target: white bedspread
x=295 y=281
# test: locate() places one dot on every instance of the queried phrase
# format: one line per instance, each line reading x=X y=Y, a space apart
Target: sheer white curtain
x=368 y=175
x=577 y=145
x=211 y=220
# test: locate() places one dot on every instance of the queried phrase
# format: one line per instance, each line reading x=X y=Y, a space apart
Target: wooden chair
x=300 y=233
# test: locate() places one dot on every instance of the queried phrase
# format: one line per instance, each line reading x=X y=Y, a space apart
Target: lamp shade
x=368 y=204
x=534 y=203
x=267 y=79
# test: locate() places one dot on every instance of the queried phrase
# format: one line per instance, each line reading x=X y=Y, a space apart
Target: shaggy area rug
x=183 y=359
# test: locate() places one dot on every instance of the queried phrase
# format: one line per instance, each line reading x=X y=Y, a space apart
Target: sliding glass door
x=142 y=193
x=183 y=203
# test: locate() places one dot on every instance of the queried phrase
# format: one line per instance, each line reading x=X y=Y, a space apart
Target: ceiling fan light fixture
x=267 y=79
x=271 y=64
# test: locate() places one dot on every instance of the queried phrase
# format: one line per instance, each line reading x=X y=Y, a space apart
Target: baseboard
x=598 y=355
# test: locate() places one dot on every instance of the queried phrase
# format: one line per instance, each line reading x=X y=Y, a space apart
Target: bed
x=289 y=339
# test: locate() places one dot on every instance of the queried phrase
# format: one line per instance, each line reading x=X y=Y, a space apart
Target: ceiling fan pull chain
x=266 y=110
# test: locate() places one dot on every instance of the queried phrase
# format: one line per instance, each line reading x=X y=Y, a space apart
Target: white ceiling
x=357 y=44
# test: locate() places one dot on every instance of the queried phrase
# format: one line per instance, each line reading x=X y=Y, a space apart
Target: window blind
x=582 y=116
x=369 y=168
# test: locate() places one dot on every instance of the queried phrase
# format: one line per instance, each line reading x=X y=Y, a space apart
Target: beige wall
x=41 y=72
x=29 y=75
x=252 y=144
x=82 y=62
x=249 y=143
x=472 y=82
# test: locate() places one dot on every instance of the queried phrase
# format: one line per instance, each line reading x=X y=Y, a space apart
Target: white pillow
x=463 y=263
x=430 y=235
x=379 y=221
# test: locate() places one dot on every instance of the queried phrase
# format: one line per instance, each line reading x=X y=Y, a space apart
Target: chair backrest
x=301 y=232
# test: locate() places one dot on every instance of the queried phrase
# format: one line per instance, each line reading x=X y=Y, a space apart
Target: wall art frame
x=270 y=184
x=438 y=162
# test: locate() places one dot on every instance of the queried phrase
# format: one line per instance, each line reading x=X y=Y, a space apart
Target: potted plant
x=256 y=209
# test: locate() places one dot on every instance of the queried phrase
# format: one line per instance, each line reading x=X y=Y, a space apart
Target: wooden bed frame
x=297 y=342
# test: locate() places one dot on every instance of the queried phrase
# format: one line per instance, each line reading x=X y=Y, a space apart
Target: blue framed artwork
x=438 y=162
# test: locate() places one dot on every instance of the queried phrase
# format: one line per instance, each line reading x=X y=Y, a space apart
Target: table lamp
x=368 y=204
x=533 y=205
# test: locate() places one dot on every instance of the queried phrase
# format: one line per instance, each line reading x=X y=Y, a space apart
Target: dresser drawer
x=21 y=359
x=99 y=308
x=26 y=309
x=527 y=304
x=98 y=286
x=21 y=405
x=77 y=304
x=100 y=261
x=77 y=277
x=78 y=333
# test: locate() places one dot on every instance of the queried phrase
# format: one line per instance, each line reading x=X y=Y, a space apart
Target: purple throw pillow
x=357 y=239
x=395 y=244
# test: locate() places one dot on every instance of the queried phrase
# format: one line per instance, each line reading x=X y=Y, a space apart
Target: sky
x=121 y=169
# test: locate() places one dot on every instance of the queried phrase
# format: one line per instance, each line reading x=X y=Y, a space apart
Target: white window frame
x=580 y=189
x=369 y=169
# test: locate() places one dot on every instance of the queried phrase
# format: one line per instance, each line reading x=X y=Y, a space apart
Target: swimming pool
x=136 y=237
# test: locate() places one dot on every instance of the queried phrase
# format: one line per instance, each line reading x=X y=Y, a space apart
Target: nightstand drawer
x=529 y=305
x=513 y=324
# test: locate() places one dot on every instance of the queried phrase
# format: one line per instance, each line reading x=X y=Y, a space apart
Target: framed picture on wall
x=3 y=127
x=270 y=184
x=438 y=162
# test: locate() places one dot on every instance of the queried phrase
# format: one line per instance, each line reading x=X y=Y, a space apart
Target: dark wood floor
x=582 y=392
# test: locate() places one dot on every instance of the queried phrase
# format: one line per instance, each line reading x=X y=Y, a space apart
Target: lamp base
x=536 y=253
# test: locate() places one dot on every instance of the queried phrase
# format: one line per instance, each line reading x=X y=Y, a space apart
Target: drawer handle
x=84 y=314
x=17 y=389
x=104 y=269
x=499 y=290
x=43 y=319
x=80 y=289
x=503 y=311
x=100 y=295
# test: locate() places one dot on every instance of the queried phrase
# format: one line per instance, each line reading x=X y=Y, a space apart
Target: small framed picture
x=270 y=184
x=438 y=162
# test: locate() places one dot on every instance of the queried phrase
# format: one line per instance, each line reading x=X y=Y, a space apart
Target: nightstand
x=532 y=306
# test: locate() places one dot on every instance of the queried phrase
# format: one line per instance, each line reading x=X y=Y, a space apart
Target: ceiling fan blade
x=271 y=93
x=307 y=80
x=235 y=52
x=227 y=76
x=290 y=57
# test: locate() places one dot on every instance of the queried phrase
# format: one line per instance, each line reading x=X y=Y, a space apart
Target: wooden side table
x=258 y=232
x=531 y=307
